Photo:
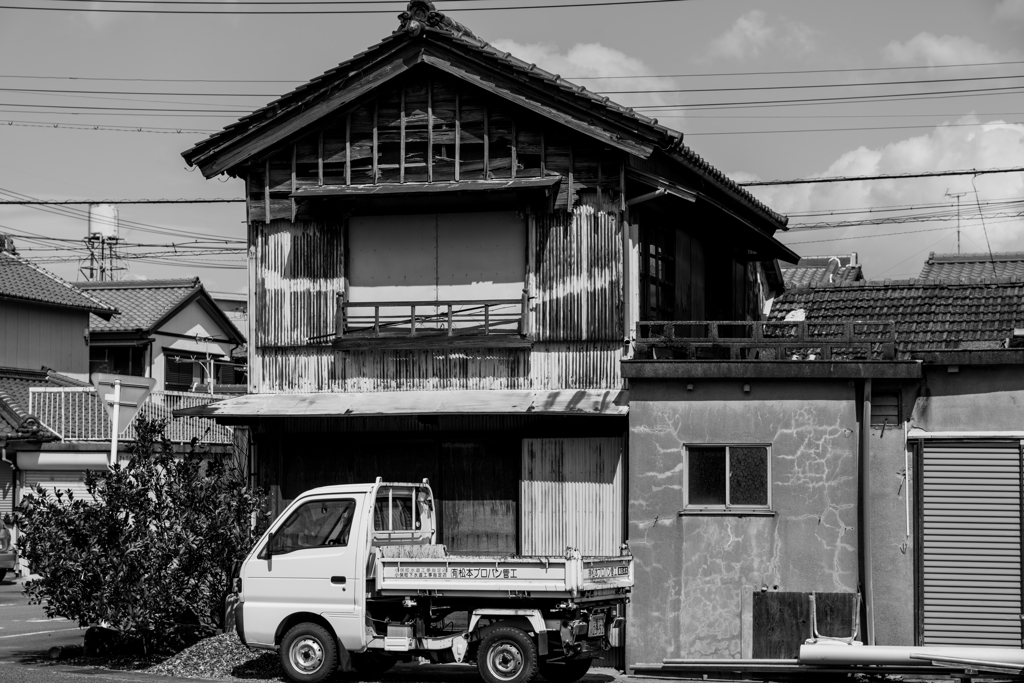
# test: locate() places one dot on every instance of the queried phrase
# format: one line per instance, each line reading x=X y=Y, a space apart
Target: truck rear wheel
x=565 y=672
x=507 y=655
x=308 y=653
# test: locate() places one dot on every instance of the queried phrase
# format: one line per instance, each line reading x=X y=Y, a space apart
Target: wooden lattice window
x=657 y=274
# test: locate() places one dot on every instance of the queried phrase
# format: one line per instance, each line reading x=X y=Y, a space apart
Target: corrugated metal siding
x=556 y=365
x=6 y=488
x=571 y=495
x=300 y=273
x=62 y=480
x=33 y=336
x=579 y=274
x=971 y=544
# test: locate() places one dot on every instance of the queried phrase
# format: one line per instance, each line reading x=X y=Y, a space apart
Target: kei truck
x=351 y=576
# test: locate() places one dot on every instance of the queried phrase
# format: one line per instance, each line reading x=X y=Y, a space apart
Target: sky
x=704 y=45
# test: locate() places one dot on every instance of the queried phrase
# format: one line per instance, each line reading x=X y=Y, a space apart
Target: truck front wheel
x=507 y=655
x=565 y=672
x=308 y=653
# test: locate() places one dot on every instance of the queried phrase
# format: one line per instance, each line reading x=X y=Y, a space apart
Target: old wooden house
x=449 y=252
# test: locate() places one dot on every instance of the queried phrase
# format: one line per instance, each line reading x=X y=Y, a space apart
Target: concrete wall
x=35 y=335
x=892 y=546
x=972 y=399
x=696 y=574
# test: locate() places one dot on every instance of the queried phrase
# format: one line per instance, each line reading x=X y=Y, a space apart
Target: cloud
x=993 y=144
x=1010 y=10
x=752 y=35
x=599 y=65
x=926 y=49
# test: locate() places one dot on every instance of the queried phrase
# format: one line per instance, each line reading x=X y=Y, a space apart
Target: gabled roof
x=145 y=304
x=930 y=315
x=24 y=281
x=15 y=419
x=813 y=269
x=973 y=266
x=428 y=36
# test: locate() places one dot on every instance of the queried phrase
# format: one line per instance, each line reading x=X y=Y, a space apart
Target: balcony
x=698 y=340
x=77 y=414
x=417 y=324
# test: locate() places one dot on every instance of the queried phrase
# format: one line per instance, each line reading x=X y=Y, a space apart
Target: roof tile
x=972 y=267
x=142 y=303
x=23 y=280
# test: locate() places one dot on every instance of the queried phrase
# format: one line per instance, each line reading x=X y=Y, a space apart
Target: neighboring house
x=871 y=446
x=450 y=252
x=171 y=330
x=973 y=266
x=44 y=321
x=236 y=308
x=814 y=269
x=44 y=337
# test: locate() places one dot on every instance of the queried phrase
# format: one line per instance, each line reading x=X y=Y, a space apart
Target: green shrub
x=150 y=553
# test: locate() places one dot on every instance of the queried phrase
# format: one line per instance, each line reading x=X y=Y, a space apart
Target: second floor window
x=657 y=273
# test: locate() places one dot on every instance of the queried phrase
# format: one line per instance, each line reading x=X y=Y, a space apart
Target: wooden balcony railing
x=77 y=414
x=766 y=340
x=487 y=320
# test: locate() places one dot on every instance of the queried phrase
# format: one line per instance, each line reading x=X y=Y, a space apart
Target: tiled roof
x=14 y=394
x=439 y=26
x=142 y=303
x=812 y=269
x=930 y=315
x=20 y=279
x=973 y=266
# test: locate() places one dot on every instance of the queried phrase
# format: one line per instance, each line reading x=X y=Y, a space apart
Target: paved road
x=25 y=632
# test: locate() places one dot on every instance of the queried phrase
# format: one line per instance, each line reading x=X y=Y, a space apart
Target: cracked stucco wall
x=695 y=575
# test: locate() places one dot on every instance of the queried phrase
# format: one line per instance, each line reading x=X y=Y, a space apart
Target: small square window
x=728 y=478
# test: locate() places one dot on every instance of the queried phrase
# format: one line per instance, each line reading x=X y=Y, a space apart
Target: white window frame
x=727 y=508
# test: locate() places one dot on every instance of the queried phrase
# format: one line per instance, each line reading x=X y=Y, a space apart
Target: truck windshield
x=315 y=524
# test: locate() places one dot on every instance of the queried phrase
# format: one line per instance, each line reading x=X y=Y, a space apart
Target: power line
x=802 y=87
x=90 y=126
x=601 y=92
x=716 y=74
x=353 y=11
x=66 y=202
x=898 y=176
x=835 y=130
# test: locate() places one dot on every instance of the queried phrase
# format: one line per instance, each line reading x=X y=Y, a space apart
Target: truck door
x=310 y=563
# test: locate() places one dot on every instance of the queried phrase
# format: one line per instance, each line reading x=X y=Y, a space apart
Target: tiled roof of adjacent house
x=14 y=394
x=25 y=281
x=974 y=266
x=142 y=303
x=813 y=269
x=438 y=25
x=930 y=315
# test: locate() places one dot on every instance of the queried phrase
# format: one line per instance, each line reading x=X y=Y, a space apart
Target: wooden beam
x=320 y=157
x=375 y=151
x=401 y=136
x=266 y=191
x=348 y=149
x=458 y=136
x=487 y=144
x=515 y=141
x=571 y=189
x=430 y=131
x=543 y=155
x=295 y=154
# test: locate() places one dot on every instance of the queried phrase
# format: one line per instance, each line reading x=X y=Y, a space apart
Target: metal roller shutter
x=571 y=495
x=971 y=543
x=56 y=479
x=6 y=488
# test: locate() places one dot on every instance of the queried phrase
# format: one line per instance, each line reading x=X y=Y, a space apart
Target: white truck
x=352 y=576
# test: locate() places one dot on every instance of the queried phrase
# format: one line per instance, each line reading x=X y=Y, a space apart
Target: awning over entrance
x=563 y=402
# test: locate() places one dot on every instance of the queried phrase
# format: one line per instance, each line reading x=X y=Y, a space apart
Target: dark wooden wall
x=782 y=621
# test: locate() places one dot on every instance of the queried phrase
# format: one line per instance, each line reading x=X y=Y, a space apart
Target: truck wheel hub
x=505 y=660
x=307 y=655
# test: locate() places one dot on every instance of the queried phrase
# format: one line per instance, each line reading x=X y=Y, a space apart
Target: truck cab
x=352 y=576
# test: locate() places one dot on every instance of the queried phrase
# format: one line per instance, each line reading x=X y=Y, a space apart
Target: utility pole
x=958 y=195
